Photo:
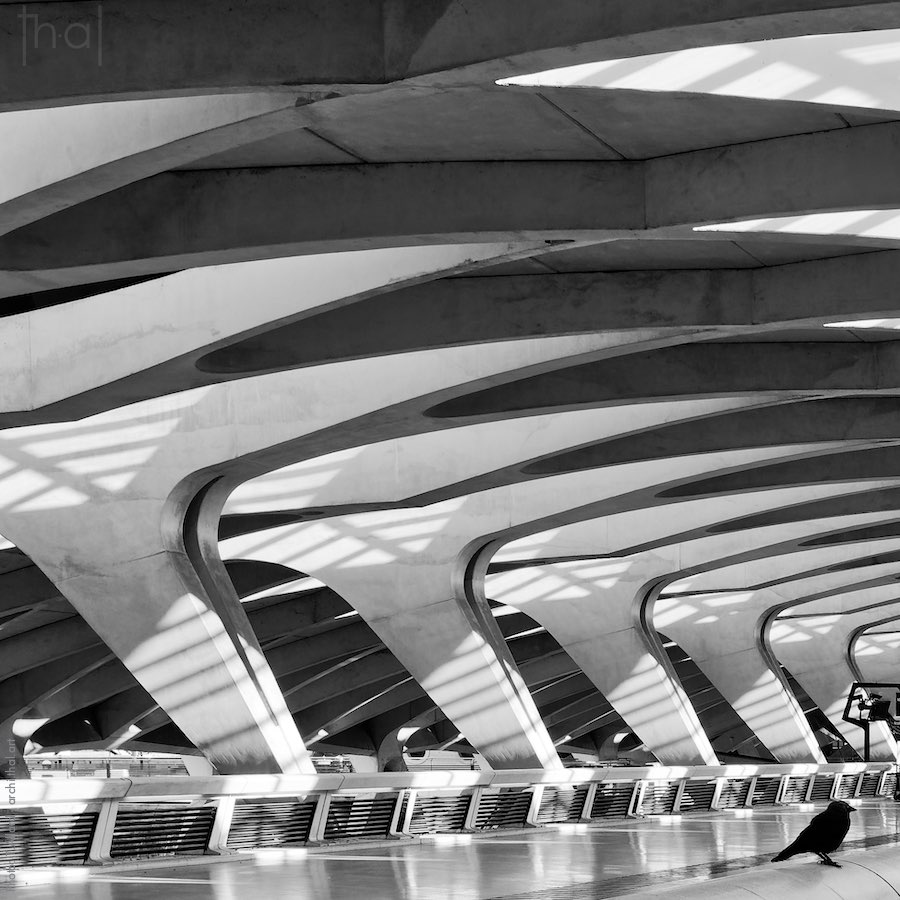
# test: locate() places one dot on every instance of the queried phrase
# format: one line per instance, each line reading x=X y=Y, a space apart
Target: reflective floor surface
x=573 y=862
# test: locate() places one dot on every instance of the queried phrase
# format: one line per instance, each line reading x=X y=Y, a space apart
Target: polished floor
x=574 y=862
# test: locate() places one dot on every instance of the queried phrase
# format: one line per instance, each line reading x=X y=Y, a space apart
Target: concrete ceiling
x=313 y=333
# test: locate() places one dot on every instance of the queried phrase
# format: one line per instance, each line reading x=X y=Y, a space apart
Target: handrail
x=98 y=821
x=41 y=791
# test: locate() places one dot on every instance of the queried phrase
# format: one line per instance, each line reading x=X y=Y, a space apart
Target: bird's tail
x=787 y=853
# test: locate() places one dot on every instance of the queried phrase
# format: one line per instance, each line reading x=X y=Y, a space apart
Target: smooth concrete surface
x=177 y=319
x=625 y=857
x=235 y=238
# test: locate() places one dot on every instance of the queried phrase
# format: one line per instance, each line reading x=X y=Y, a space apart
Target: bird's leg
x=826 y=860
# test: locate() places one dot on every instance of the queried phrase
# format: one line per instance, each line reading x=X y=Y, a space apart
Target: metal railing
x=96 y=821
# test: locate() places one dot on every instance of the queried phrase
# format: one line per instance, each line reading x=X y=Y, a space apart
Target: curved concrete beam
x=285 y=211
x=520 y=306
x=179 y=318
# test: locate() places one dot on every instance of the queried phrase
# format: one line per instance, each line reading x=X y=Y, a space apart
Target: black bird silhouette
x=823 y=835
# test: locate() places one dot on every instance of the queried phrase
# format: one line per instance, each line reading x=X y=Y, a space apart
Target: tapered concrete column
x=455 y=653
x=594 y=609
x=816 y=651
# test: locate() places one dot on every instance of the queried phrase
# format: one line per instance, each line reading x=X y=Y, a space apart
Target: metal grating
x=257 y=823
x=506 y=809
x=847 y=788
x=612 y=799
x=697 y=796
x=360 y=817
x=659 y=798
x=869 y=784
x=147 y=830
x=766 y=791
x=822 y=787
x=734 y=793
x=439 y=814
x=890 y=785
x=559 y=805
x=795 y=789
x=28 y=839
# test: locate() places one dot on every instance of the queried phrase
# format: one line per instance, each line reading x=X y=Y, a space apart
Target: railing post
x=782 y=787
x=859 y=783
x=101 y=842
x=534 y=808
x=588 y=806
x=637 y=798
x=750 y=790
x=717 y=793
x=679 y=793
x=472 y=812
x=320 y=818
x=218 y=837
x=879 y=789
x=835 y=786
x=401 y=829
x=807 y=797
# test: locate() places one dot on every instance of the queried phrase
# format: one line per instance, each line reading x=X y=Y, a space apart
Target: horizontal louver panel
x=258 y=823
x=795 y=789
x=870 y=782
x=734 y=793
x=822 y=787
x=766 y=791
x=151 y=831
x=697 y=796
x=561 y=805
x=507 y=809
x=436 y=815
x=34 y=840
x=847 y=788
x=356 y=817
x=659 y=798
x=612 y=800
